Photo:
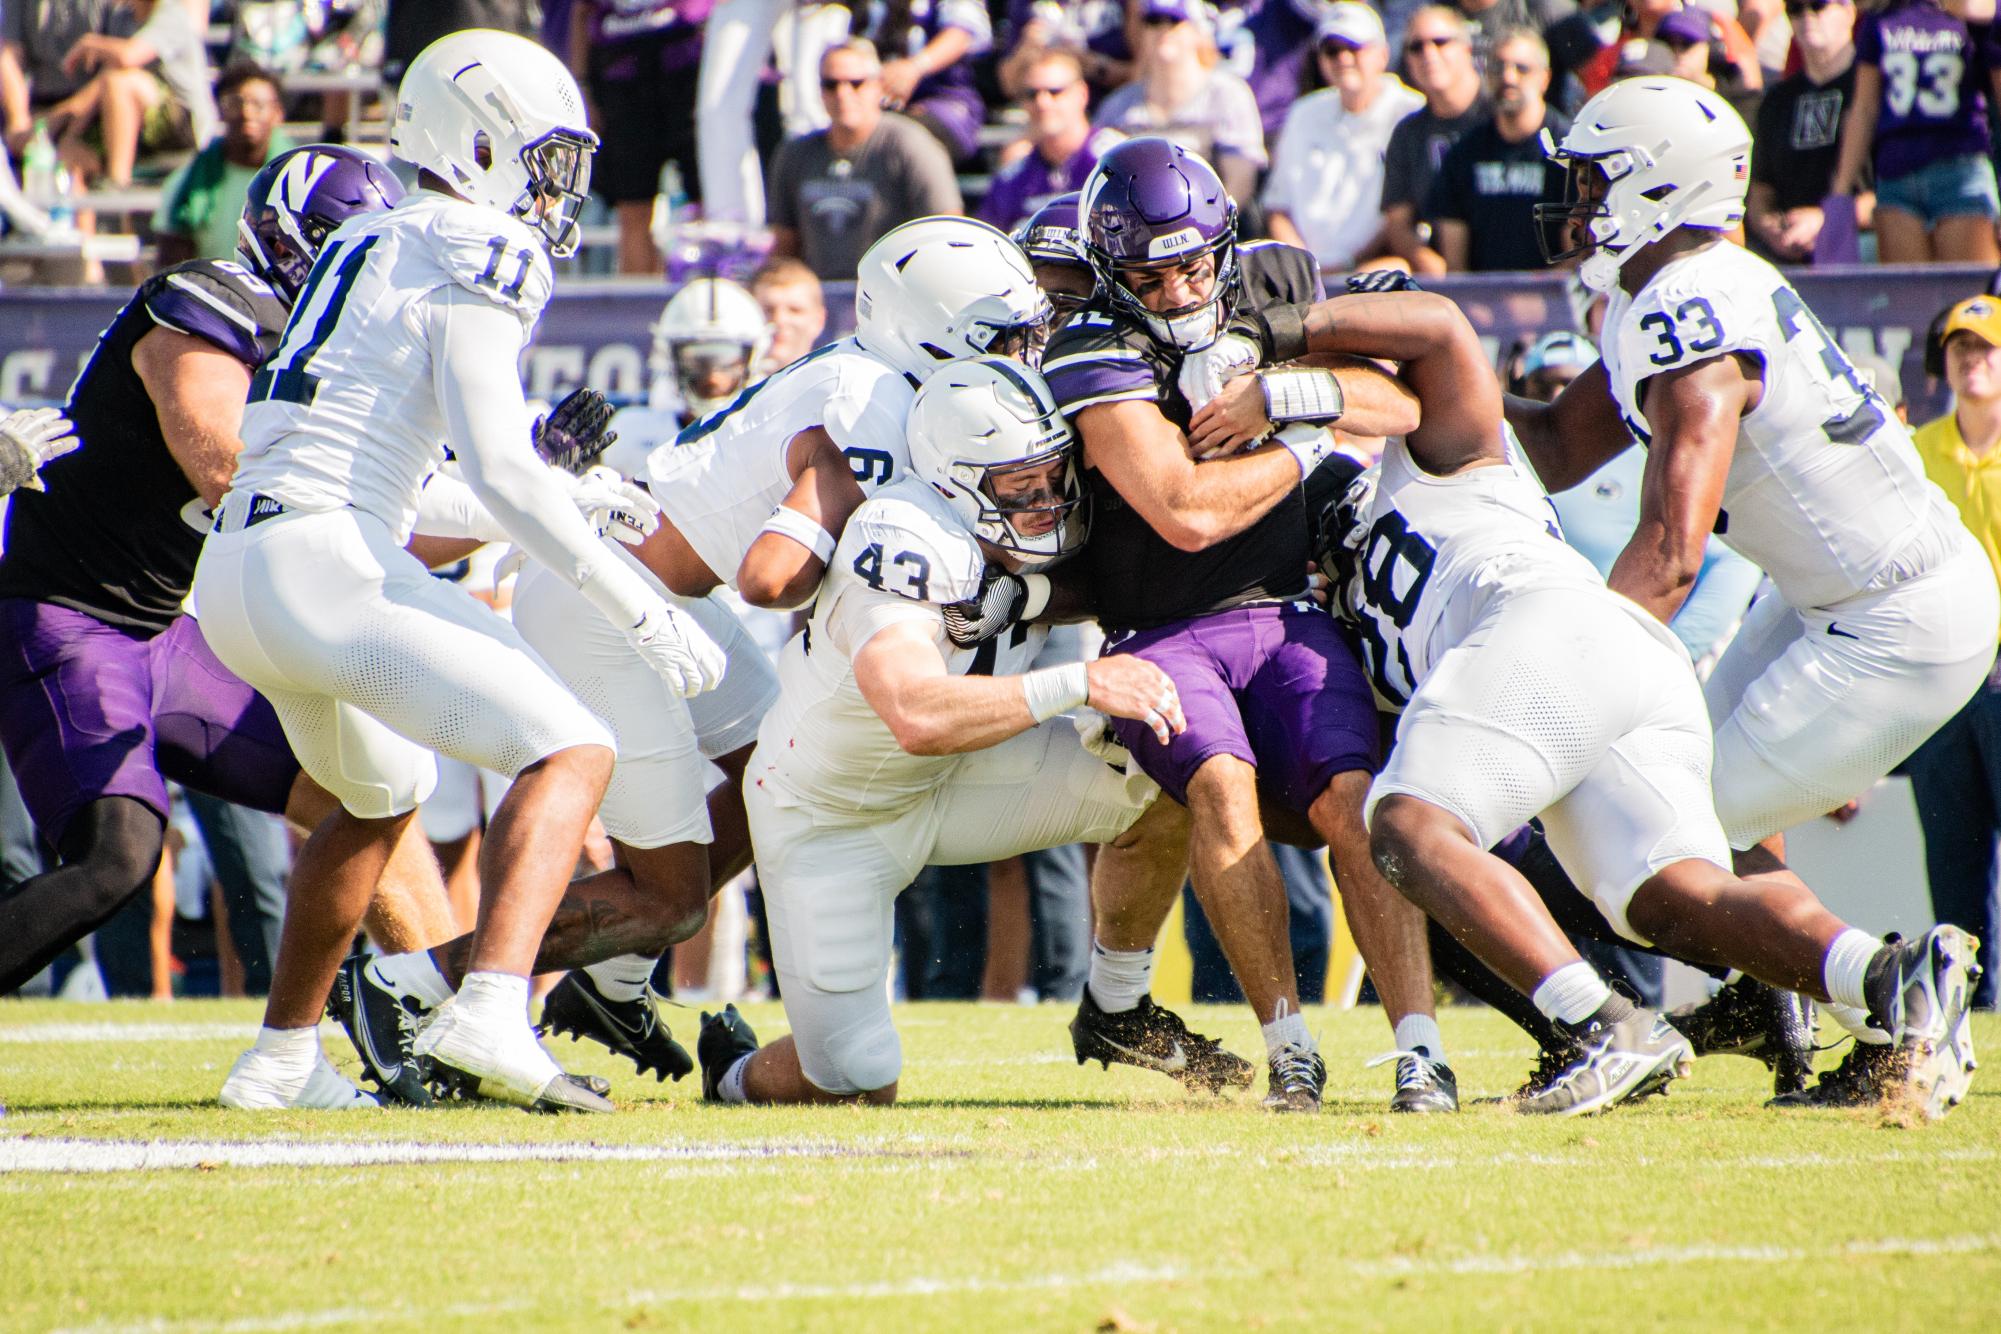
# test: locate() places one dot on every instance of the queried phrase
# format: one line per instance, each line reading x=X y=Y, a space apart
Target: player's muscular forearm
x=780 y=570
x=1575 y=436
x=1145 y=457
x=673 y=562
x=931 y=712
x=198 y=391
x=1695 y=412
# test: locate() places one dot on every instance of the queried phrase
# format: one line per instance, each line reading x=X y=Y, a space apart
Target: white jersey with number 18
x=1825 y=489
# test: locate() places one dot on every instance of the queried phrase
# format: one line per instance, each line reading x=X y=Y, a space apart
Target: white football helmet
x=977 y=423
x=1645 y=156
x=706 y=341
x=501 y=121
x=946 y=287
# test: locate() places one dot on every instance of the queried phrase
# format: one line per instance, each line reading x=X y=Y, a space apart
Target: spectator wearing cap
x=1956 y=775
x=1918 y=113
x=1438 y=60
x=835 y=191
x=203 y=199
x=1799 y=134
x=637 y=61
x=1269 y=43
x=1325 y=190
x=1062 y=146
x=1182 y=94
x=927 y=49
x=1742 y=75
x=1092 y=30
x=1482 y=205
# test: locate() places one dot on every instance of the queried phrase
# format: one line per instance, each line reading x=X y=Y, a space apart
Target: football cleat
x=1295 y=1080
x=725 y=1039
x=1153 y=1037
x=1423 y=1085
x=1617 y=1058
x=255 y=1083
x=1750 y=1018
x=383 y=1028
x=1918 y=994
x=1868 y=1074
x=469 y=1059
x=630 y=1028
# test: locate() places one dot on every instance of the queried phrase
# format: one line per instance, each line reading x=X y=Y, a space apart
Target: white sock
x=730 y=1087
x=501 y=997
x=1855 y=1019
x=1571 y=994
x=1119 y=977
x=1419 y=1033
x=293 y=1050
x=1287 y=1030
x=623 y=978
x=413 y=974
x=1847 y=965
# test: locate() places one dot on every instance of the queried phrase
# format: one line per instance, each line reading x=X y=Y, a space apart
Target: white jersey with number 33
x=347 y=413
x=1825 y=489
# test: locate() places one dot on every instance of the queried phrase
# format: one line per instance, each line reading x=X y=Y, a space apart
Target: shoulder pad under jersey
x=220 y=302
x=904 y=541
x=1272 y=273
x=499 y=257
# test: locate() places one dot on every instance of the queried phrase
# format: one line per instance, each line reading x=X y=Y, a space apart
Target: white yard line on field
x=83 y=1155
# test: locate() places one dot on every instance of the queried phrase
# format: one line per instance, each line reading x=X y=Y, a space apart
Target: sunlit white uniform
x=843 y=819
x=1884 y=616
x=405 y=337
x=1532 y=688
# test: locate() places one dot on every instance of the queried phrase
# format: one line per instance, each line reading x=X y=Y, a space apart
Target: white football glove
x=1204 y=373
x=674 y=644
x=614 y=507
x=28 y=439
x=1309 y=444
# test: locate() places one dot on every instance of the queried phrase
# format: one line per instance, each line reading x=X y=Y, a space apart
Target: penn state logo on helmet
x=945 y=287
x=297 y=200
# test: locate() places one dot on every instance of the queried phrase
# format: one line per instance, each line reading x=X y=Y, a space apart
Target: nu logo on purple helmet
x=301 y=173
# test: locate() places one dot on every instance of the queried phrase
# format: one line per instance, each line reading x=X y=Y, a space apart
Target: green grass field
x=1011 y=1190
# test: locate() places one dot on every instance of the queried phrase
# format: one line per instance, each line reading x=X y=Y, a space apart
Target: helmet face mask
x=706 y=341
x=1034 y=507
x=559 y=182
x=710 y=373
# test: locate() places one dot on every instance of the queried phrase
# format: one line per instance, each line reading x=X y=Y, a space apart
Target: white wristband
x=1301 y=393
x=788 y=522
x=1055 y=690
x=1038 y=588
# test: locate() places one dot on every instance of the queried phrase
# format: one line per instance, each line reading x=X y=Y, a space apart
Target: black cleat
x=1623 y=1052
x=630 y=1028
x=1870 y=1073
x=382 y=1027
x=724 y=1039
x=1153 y=1037
x=1423 y=1085
x=1749 y=1018
x=1295 y=1080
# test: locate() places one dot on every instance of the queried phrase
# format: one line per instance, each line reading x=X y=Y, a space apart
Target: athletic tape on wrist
x=788 y=522
x=1038 y=587
x=1055 y=690
x=1302 y=393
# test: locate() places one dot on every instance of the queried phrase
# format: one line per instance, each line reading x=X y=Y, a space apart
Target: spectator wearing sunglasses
x=1482 y=205
x=1799 y=133
x=1438 y=61
x=835 y=191
x=1325 y=190
x=1181 y=94
x=1092 y=30
x=1919 y=114
x=1062 y=146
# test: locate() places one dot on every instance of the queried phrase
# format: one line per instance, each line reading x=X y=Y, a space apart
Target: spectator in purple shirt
x=1920 y=112
x=1093 y=30
x=1062 y=148
x=1267 y=43
x=927 y=49
x=1184 y=95
x=637 y=61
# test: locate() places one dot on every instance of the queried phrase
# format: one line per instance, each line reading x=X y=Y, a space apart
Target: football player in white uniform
x=706 y=345
x=1758 y=427
x=406 y=339
x=890 y=749
x=1530 y=689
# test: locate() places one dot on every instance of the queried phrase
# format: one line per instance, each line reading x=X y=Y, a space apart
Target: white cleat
x=501 y=1062
x=1929 y=993
x=257 y=1082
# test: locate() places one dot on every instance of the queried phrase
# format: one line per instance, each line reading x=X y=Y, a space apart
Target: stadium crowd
x=1403 y=136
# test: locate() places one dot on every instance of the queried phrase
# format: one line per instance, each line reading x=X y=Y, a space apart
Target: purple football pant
x=1278 y=687
x=88 y=711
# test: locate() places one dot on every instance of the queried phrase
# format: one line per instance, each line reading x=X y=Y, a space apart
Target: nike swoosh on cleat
x=1174 y=1064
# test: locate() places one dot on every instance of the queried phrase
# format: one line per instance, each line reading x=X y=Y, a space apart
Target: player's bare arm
x=1695 y=412
x=1144 y=457
x=198 y=390
x=1373 y=403
x=784 y=566
x=1573 y=437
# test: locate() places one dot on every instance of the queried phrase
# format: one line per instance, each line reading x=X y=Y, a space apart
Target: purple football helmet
x=1055 y=251
x=296 y=201
x=1150 y=203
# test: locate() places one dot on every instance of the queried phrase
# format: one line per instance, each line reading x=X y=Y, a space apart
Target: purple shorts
x=1278 y=687
x=88 y=710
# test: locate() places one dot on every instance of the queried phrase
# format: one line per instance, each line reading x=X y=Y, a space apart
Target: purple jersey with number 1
x=1933 y=72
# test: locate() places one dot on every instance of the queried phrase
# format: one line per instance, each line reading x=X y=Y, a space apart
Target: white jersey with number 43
x=1825 y=488
x=720 y=479
x=346 y=413
x=902 y=556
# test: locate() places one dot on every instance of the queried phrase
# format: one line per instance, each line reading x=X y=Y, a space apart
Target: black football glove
x=1382 y=280
x=999 y=605
x=573 y=436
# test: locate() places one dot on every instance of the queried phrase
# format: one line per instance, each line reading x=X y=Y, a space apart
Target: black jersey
x=117 y=532
x=1137 y=577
